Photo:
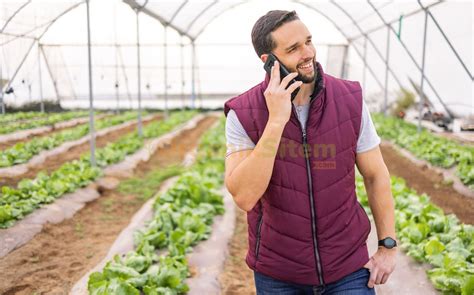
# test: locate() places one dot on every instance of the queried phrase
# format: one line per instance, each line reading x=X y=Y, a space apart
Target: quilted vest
x=308 y=227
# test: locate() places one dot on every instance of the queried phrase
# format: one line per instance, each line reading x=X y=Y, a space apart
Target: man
x=291 y=167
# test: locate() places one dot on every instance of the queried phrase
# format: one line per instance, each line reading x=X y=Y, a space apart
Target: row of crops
x=30 y=194
x=425 y=232
x=425 y=145
x=22 y=152
x=428 y=235
x=15 y=121
x=15 y=117
x=183 y=216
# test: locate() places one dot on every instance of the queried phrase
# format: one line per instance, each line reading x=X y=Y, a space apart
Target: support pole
x=91 y=99
x=344 y=61
x=40 y=77
x=193 y=72
x=182 y=75
x=117 y=92
x=2 y=104
x=165 y=68
x=422 y=97
x=140 y=131
x=387 y=53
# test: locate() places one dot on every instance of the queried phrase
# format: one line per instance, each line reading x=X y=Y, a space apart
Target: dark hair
x=261 y=33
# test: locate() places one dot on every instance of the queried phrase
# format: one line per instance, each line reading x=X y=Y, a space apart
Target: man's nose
x=308 y=52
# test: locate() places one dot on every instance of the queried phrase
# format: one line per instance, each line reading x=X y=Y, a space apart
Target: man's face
x=294 y=48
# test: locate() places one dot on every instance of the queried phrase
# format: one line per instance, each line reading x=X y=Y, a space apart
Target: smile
x=307 y=65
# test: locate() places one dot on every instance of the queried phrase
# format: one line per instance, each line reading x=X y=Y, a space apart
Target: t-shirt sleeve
x=368 y=137
x=236 y=137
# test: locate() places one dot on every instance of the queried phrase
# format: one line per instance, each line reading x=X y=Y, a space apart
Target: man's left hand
x=381 y=265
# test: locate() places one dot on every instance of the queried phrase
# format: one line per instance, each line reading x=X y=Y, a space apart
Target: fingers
x=379 y=278
x=368 y=265
x=275 y=75
x=287 y=79
x=385 y=278
x=372 y=279
x=293 y=86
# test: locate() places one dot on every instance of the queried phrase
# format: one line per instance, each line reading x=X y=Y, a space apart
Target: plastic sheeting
x=361 y=25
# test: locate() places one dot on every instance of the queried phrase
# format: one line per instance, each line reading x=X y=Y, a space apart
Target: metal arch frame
x=178 y=10
x=446 y=38
x=134 y=5
x=14 y=14
x=47 y=24
x=414 y=61
x=23 y=35
x=343 y=33
x=405 y=16
x=368 y=39
x=220 y=12
x=312 y=8
x=190 y=25
x=194 y=57
x=37 y=40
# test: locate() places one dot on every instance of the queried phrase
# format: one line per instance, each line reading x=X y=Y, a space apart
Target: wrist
x=387 y=243
x=276 y=123
x=392 y=251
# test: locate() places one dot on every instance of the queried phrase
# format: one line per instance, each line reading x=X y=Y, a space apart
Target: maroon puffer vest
x=309 y=232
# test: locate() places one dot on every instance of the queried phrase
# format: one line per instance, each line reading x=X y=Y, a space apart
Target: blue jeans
x=352 y=284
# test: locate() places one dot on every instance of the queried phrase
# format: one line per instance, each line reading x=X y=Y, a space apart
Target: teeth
x=306 y=66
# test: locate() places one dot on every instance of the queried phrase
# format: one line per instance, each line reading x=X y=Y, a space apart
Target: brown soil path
x=62 y=253
x=424 y=180
x=237 y=277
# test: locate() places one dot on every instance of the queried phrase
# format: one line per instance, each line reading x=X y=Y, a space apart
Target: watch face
x=390 y=243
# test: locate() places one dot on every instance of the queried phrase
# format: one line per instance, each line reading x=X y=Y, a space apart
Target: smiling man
x=291 y=166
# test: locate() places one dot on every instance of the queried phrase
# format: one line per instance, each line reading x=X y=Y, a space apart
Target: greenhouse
x=236 y=147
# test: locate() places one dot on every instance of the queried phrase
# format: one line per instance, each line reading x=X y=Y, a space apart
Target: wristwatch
x=388 y=243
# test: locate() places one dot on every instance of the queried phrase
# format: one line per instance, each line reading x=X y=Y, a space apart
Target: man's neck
x=303 y=96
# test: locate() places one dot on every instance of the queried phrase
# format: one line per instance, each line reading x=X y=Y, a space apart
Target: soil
x=237 y=277
x=61 y=254
x=425 y=180
x=54 y=162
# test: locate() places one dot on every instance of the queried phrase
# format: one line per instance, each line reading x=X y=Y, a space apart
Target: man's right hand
x=278 y=98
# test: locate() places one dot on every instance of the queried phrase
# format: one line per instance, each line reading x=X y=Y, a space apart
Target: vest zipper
x=257 y=244
x=311 y=201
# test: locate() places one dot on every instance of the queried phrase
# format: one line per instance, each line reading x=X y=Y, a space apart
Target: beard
x=307 y=78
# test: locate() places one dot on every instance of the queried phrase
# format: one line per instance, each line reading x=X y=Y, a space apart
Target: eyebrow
x=296 y=44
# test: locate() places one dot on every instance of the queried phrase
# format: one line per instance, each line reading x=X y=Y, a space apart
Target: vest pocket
x=259 y=228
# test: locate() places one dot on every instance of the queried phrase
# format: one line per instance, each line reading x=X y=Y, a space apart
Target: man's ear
x=264 y=57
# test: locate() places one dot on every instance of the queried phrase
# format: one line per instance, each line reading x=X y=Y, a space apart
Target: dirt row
x=53 y=163
x=425 y=180
x=61 y=254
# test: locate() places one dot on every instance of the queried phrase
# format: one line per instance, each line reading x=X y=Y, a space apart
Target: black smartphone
x=283 y=72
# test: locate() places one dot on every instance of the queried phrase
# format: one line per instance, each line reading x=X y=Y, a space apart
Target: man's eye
x=292 y=49
x=308 y=42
